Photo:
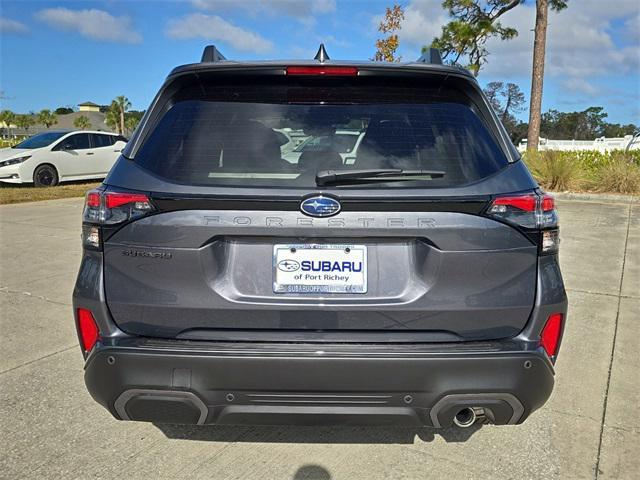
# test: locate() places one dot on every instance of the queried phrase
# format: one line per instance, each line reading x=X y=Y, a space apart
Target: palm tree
x=82 y=122
x=8 y=118
x=537 y=75
x=47 y=118
x=112 y=117
x=131 y=123
x=25 y=121
x=122 y=104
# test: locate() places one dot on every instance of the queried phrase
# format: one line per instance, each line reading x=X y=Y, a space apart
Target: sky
x=64 y=52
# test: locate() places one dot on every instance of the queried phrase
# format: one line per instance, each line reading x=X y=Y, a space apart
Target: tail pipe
x=468 y=416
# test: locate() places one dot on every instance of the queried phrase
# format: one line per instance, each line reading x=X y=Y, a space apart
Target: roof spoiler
x=430 y=55
x=211 y=55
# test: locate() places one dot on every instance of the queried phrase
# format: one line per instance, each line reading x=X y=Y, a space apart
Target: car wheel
x=45 y=176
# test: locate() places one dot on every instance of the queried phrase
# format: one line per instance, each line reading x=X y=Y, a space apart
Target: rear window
x=228 y=135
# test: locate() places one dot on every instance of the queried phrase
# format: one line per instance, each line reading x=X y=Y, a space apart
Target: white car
x=51 y=157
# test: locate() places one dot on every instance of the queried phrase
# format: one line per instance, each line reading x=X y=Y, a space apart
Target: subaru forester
x=412 y=282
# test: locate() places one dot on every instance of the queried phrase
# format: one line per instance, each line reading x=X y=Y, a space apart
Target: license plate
x=312 y=268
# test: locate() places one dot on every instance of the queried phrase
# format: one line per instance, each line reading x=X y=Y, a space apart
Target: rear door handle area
x=89 y=153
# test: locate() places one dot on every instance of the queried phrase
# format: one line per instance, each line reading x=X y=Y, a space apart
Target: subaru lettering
x=311 y=266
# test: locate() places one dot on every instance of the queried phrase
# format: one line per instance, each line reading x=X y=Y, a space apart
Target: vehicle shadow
x=312 y=472
x=299 y=434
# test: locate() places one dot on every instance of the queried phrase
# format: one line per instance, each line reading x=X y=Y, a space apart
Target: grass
x=618 y=175
x=587 y=171
x=26 y=193
x=555 y=172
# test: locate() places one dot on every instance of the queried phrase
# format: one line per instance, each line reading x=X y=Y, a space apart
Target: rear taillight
x=93 y=199
x=87 y=329
x=139 y=201
x=551 y=334
x=536 y=214
x=104 y=208
x=322 y=70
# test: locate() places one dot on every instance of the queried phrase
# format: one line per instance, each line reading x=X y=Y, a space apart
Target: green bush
x=619 y=173
x=590 y=171
x=554 y=171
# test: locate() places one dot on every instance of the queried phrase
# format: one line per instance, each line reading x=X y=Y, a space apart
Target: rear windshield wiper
x=327 y=177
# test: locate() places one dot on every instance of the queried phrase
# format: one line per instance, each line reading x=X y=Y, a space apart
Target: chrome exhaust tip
x=465 y=417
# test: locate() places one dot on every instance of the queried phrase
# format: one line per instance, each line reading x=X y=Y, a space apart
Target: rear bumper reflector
x=552 y=334
x=87 y=329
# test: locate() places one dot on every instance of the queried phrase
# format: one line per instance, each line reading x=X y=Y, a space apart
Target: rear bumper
x=192 y=383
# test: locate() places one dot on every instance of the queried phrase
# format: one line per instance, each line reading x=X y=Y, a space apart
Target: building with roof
x=89 y=107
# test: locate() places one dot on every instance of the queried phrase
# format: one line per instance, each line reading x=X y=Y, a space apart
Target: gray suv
x=417 y=284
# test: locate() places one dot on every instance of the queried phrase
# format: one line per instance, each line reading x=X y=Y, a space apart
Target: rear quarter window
x=98 y=140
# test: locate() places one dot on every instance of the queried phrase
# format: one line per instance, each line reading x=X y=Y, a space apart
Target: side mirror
x=67 y=146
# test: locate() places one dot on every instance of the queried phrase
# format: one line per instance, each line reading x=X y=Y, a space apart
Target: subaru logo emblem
x=288 y=265
x=320 y=206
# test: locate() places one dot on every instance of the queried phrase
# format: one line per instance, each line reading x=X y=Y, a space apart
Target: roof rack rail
x=430 y=55
x=211 y=54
